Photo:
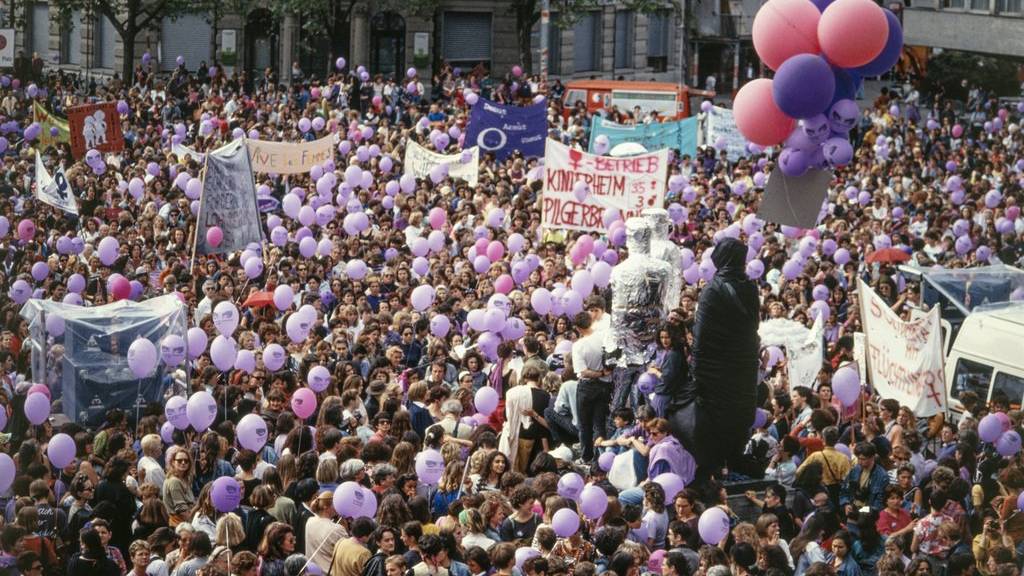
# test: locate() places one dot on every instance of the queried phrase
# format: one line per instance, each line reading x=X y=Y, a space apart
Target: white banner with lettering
x=804 y=360
x=720 y=125
x=419 y=162
x=904 y=358
x=54 y=190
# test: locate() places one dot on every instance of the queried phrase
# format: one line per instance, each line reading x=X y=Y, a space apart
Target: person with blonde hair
x=321 y=531
x=149 y=466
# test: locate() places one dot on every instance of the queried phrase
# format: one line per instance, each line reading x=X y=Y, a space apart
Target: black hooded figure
x=712 y=418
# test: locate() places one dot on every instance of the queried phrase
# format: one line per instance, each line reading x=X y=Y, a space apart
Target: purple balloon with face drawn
x=843 y=115
x=816 y=128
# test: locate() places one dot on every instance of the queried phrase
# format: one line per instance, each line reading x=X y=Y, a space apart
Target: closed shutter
x=189 y=36
x=74 y=38
x=657 y=34
x=41 y=30
x=467 y=36
x=587 y=43
x=624 y=39
x=105 y=41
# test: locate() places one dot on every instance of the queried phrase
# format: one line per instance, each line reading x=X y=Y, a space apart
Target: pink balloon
x=783 y=28
x=303 y=403
x=852 y=32
x=495 y=250
x=757 y=116
x=214 y=236
x=504 y=284
x=120 y=288
x=437 y=217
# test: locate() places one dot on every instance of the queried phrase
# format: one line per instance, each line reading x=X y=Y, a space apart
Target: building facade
x=610 y=41
x=994 y=27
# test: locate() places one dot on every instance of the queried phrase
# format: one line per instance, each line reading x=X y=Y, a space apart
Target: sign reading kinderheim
x=629 y=184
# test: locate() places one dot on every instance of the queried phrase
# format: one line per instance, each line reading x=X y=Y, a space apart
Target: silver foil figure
x=666 y=250
x=638 y=285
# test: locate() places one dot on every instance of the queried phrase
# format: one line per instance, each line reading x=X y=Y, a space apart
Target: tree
x=129 y=18
x=527 y=13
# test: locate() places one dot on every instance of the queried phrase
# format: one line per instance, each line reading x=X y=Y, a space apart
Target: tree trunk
x=526 y=17
x=128 y=46
x=438 y=45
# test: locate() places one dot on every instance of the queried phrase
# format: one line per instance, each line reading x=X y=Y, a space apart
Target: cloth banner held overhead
x=47 y=122
x=720 y=124
x=54 y=190
x=289 y=157
x=95 y=126
x=501 y=129
x=628 y=184
x=681 y=135
x=904 y=358
x=419 y=161
x=182 y=152
x=228 y=201
x=804 y=360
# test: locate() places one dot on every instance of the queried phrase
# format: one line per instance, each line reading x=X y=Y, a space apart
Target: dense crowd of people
x=909 y=496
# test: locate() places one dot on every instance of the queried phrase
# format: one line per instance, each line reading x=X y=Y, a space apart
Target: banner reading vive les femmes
x=289 y=157
x=904 y=358
x=630 y=184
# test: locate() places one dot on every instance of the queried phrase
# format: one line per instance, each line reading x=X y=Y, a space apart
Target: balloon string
x=318 y=548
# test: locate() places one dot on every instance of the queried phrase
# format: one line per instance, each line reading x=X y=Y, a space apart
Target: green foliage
x=950 y=68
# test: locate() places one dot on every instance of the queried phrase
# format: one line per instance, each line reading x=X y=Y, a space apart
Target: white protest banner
x=804 y=360
x=904 y=358
x=629 y=184
x=55 y=190
x=720 y=125
x=228 y=201
x=289 y=157
x=182 y=152
x=860 y=344
x=419 y=162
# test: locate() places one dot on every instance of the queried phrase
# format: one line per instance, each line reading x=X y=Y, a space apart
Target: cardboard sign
x=419 y=162
x=904 y=358
x=289 y=157
x=628 y=184
x=95 y=126
x=228 y=201
x=681 y=135
x=794 y=201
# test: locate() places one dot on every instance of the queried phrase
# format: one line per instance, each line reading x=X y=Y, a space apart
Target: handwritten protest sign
x=289 y=157
x=228 y=201
x=904 y=358
x=681 y=135
x=628 y=184
x=419 y=162
x=95 y=126
x=720 y=125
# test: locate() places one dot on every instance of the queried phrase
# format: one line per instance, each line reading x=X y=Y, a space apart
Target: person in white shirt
x=594 y=390
x=205 y=305
x=149 y=466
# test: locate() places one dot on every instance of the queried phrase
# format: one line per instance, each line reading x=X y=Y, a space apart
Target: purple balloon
x=1008 y=444
x=40 y=270
x=440 y=325
x=566 y=522
x=486 y=400
x=846 y=385
x=803 y=86
x=713 y=526
x=594 y=500
x=226 y=494
x=201 y=409
x=252 y=432
x=37 y=408
x=61 y=450
x=142 y=357
x=429 y=466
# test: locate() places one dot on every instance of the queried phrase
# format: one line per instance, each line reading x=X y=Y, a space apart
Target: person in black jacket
x=92 y=560
x=112 y=489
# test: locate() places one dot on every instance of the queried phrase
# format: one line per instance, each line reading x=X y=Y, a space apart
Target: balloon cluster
x=820 y=51
x=996 y=428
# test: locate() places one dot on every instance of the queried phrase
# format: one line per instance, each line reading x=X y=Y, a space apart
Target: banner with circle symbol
x=501 y=130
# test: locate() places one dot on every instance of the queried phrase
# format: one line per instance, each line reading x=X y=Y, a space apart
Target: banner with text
x=95 y=126
x=183 y=152
x=289 y=157
x=904 y=358
x=629 y=184
x=804 y=361
x=419 y=162
x=228 y=201
x=501 y=129
x=6 y=47
x=681 y=135
x=47 y=122
x=722 y=133
x=54 y=190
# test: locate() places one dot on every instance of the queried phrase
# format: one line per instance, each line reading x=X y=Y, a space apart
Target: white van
x=987 y=356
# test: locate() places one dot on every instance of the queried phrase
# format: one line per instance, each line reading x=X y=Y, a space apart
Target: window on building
x=981 y=5
x=624 y=25
x=71 y=39
x=467 y=39
x=955 y=4
x=587 y=43
x=657 y=40
x=1010 y=6
x=104 y=38
x=41 y=30
x=555 y=46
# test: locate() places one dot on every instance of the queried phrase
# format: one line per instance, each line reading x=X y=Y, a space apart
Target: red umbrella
x=888 y=255
x=259 y=300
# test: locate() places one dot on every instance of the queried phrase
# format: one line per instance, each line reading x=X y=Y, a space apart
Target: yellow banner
x=47 y=122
